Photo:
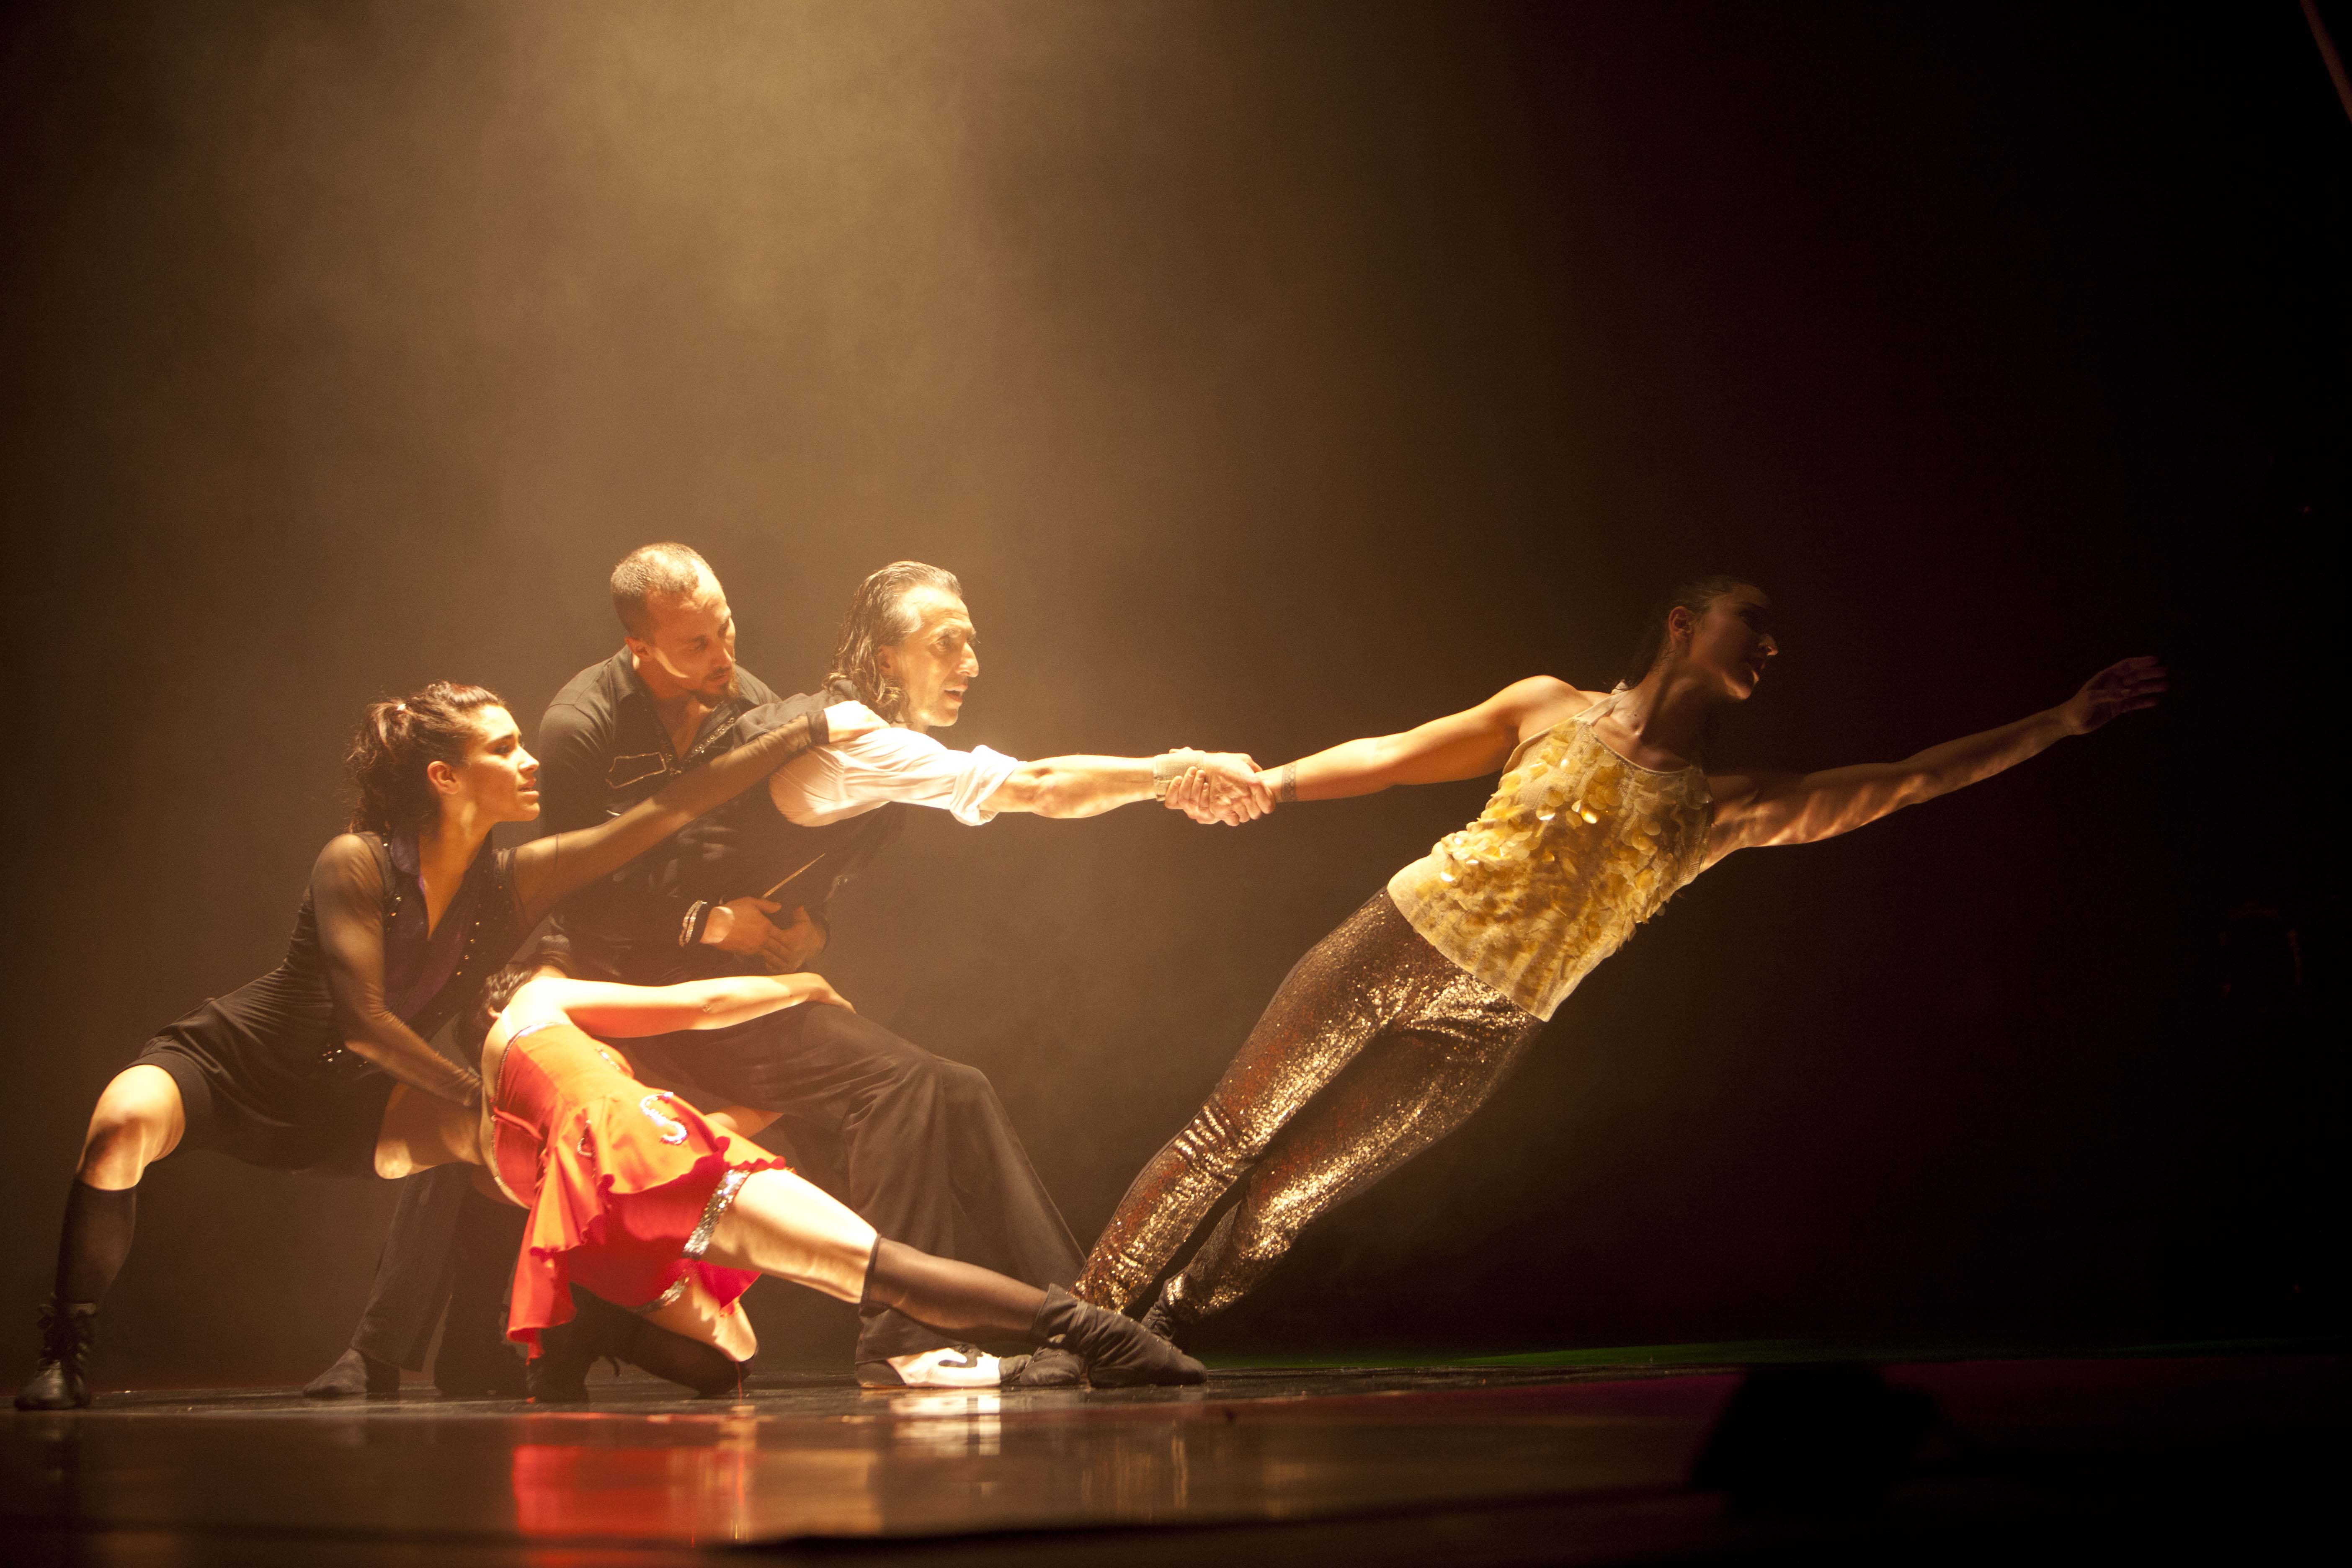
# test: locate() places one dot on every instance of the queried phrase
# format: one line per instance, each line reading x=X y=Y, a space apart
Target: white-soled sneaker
x=951 y=1366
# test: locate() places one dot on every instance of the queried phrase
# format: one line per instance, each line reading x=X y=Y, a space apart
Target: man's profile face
x=936 y=663
x=689 y=640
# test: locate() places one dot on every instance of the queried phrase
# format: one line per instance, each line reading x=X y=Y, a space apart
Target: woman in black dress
x=322 y=1064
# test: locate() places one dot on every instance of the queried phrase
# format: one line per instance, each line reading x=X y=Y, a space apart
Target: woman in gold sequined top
x=1400 y=1024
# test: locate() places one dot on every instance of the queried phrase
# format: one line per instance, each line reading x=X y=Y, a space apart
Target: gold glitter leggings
x=1375 y=1047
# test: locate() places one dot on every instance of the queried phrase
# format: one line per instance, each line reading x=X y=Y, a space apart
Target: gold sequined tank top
x=1577 y=848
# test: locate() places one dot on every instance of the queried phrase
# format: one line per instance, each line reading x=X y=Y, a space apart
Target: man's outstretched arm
x=1089 y=786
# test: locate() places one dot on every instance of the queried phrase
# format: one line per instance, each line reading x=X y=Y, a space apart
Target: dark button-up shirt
x=602 y=749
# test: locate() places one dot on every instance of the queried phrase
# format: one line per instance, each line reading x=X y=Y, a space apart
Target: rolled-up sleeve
x=981 y=773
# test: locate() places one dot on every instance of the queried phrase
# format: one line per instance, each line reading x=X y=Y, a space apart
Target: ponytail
x=397 y=739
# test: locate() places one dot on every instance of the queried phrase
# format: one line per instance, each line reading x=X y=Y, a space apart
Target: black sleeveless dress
x=265 y=1074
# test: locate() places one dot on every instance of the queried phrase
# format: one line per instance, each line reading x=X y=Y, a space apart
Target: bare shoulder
x=1542 y=700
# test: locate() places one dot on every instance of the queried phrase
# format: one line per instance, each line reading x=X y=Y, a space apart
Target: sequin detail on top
x=654 y=1105
x=1576 y=848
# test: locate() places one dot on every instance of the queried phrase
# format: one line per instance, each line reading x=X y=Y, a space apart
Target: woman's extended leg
x=1332 y=1002
x=420 y=1131
x=138 y=1121
x=782 y=1225
x=1407 y=1090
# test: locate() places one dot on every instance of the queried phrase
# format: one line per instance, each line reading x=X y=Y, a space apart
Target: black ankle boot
x=598 y=1332
x=69 y=1329
x=1168 y=1318
x=1120 y=1352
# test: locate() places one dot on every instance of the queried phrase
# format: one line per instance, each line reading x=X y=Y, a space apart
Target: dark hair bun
x=397 y=739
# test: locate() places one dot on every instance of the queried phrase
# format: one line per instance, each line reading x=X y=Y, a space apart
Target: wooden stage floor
x=1360 y=1465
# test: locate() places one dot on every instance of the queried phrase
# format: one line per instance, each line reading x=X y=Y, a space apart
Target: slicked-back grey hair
x=650 y=569
x=878 y=618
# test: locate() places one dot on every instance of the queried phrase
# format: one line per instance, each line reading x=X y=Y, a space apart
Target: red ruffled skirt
x=625 y=1184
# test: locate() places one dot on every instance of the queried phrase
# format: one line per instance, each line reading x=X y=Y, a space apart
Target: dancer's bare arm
x=741 y=1121
x=1464 y=745
x=1754 y=809
x=623 y=1012
x=1089 y=786
x=548 y=869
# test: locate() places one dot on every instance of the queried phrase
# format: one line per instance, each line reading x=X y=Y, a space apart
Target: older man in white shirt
x=926 y=1152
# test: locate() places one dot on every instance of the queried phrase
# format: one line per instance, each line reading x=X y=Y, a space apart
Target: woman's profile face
x=1733 y=641
x=498 y=780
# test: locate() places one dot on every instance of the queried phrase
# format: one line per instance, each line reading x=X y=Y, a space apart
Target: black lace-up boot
x=68 y=1330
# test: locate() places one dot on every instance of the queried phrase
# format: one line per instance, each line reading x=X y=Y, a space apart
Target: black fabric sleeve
x=575 y=749
x=347 y=899
x=548 y=869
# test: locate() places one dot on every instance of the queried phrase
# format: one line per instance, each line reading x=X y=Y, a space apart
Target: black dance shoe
x=1120 y=1352
x=1168 y=1319
x=355 y=1372
x=1049 y=1366
x=598 y=1332
x=69 y=1329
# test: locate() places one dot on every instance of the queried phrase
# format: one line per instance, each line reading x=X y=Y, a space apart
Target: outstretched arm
x=1462 y=745
x=347 y=903
x=1757 y=808
x=548 y=869
x=622 y=1012
x=1089 y=786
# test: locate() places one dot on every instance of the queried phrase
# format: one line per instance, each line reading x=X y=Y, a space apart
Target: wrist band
x=689 y=930
x=1166 y=769
x=1287 y=790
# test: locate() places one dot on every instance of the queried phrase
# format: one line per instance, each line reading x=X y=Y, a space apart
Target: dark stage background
x=1271 y=374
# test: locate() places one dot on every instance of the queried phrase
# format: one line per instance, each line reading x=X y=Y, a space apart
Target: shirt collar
x=408 y=861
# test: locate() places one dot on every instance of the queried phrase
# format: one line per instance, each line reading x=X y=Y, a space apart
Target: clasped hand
x=741 y=925
x=1220 y=786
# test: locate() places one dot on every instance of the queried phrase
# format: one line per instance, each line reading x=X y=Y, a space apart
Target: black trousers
x=922 y=1147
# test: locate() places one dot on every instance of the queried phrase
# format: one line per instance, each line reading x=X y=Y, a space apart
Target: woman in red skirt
x=637 y=1198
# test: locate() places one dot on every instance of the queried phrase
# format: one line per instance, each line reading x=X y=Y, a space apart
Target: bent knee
x=137 y=1120
x=1222 y=1146
x=962 y=1085
x=1266 y=1231
x=917 y=1072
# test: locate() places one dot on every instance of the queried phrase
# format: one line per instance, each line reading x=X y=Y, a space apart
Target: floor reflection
x=936 y=1462
x=637 y=1473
